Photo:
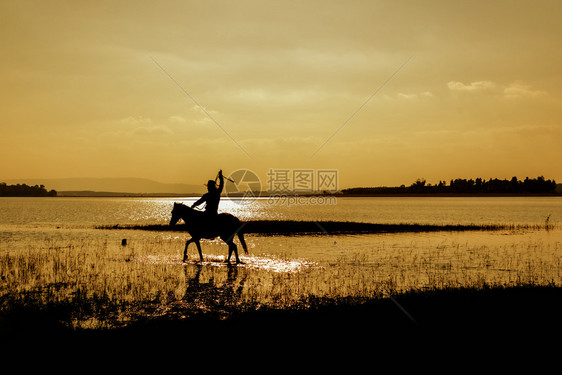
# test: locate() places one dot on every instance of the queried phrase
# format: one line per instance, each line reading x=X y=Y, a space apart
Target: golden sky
x=429 y=89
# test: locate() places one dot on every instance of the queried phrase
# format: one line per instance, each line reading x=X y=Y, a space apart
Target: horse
x=200 y=225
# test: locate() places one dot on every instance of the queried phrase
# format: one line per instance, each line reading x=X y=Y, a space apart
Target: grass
x=90 y=287
x=94 y=286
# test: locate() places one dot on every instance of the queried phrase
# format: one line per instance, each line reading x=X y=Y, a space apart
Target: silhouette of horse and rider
x=209 y=224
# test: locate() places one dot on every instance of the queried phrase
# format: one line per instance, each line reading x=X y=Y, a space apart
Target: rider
x=211 y=197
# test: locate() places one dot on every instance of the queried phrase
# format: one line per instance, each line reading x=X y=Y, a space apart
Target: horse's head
x=178 y=212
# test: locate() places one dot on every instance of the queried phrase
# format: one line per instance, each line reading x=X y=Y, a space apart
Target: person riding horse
x=210 y=224
x=211 y=198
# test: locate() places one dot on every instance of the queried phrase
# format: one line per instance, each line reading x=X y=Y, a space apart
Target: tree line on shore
x=24 y=190
x=537 y=185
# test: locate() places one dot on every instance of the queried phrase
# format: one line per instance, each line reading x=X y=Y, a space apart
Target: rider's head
x=211 y=186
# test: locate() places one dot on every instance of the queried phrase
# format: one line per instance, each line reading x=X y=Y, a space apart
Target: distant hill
x=116 y=186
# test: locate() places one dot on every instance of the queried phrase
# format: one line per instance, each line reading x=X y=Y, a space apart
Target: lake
x=52 y=245
x=88 y=212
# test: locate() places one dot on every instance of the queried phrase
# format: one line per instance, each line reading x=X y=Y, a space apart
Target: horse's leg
x=229 y=253
x=185 y=251
x=232 y=247
x=199 y=248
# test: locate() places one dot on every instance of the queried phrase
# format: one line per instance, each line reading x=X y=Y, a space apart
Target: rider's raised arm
x=221 y=181
x=199 y=201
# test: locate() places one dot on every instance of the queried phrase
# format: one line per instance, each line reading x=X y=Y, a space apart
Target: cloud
x=152 y=130
x=520 y=90
x=472 y=87
x=136 y=128
x=200 y=110
x=139 y=120
x=515 y=90
x=142 y=126
x=412 y=96
x=177 y=119
x=407 y=96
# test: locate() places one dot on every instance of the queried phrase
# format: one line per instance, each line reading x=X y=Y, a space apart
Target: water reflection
x=210 y=295
x=220 y=288
x=255 y=263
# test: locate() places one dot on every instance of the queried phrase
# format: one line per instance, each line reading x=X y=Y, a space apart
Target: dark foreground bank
x=449 y=316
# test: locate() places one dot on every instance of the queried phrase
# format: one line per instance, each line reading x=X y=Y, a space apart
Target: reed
x=95 y=282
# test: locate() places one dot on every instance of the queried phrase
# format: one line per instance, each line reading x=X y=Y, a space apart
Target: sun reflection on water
x=256 y=263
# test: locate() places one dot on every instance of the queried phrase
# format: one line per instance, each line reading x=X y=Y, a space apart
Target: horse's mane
x=186 y=208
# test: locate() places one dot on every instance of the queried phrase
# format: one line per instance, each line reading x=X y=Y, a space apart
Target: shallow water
x=34 y=221
x=278 y=269
x=88 y=212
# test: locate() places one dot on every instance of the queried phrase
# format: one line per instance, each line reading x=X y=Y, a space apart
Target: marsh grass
x=95 y=282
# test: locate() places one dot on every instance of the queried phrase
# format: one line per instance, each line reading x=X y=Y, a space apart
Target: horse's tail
x=242 y=241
